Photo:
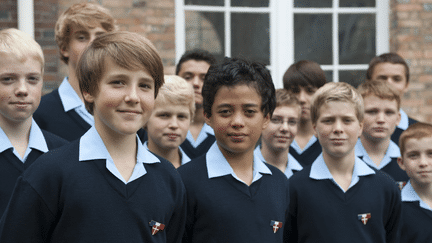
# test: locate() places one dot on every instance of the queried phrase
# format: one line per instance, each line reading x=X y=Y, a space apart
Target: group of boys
x=325 y=169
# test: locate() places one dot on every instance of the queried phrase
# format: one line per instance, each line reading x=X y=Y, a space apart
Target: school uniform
x=184 y=157
x=308 y=154
x=195 y=148
x=76 y=194
x=63 y=113
x=388 y=164
x=416 y=219
x=321 y=211
x=222 y=208
x=403 y=125
x=12 y=165
x=293 y=165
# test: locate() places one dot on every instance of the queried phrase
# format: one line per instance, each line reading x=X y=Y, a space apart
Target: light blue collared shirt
x=297 y=148
x=293 y=164
x=92 y=147
x=218 y=166
x=36 y=141
x=392 y=152
x=206 y=129
x=320 y=171
x=184 y=157
x=71 y=100
x=410 y=195
x=403 y=124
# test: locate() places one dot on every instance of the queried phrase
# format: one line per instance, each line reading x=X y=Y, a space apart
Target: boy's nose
x=22 y=89
x=132 y=95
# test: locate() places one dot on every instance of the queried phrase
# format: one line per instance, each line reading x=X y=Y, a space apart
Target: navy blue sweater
x=60 y=199
x=321 y=212
x=416 y=223
x=222 y=209
x=309 y=155
x=193 y=152
x=396 y=134
x=12 y=167
x=394 y=171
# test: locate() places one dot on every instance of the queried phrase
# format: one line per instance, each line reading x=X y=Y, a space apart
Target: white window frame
x=282 y=35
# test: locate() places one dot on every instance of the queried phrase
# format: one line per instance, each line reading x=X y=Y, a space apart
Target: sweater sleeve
x=394 y=221
x=27 y=218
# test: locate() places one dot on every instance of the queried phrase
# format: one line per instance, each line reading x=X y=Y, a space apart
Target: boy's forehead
x=418 y=144
x=372 y=99
x=331 y=108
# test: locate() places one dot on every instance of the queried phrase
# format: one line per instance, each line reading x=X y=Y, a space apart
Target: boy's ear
x=64 y=51
x=266 y=121
x=400 y=117
x=88 y=97
x=361 y=128
x=401 y=163
x=207 y=120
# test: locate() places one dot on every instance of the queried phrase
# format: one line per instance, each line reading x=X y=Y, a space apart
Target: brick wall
x=411 y=37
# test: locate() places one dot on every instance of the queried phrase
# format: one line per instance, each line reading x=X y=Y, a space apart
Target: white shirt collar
x=218 y=166
x=404 y=123
x=391 y=153
x=184 y=158
x=92 y=147
x=293 y=164
x=297 y=148
x=36 y=141
x=410 y=195
x=320 y=171
x=206 y=130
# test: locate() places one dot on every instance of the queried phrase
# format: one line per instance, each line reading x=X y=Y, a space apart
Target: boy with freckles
x=339 y=198
x=104 y=187
x=375 y=146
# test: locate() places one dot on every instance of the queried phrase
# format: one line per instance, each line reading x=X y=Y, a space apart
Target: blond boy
x=104 y=187
x=21 y=80
x=416 y=159
x=375 y=147
x=339 y=198
x=279 y=134
x=62 y=111
x=170 y=120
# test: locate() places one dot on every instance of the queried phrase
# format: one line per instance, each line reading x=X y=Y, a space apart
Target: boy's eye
x=413 y=155
x=347 y=120
x=276 y=120
x=116 y=82
x=188 y=77
x=145 y=86
x=33 y=79
x=292 y=122
x=371 y=112
x=6 y=80
x=310 y=90
x=390 y=113
x=224 y=112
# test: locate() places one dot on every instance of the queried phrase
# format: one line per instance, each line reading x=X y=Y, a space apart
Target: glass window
x=357 y=3
x=204 y=2
x=250 y=3
x=313 y=3
x=353 y=77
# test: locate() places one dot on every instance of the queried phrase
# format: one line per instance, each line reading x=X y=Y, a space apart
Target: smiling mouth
x=238 y=137
x=130 y=111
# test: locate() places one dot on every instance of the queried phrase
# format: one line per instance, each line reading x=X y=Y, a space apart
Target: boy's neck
x=73 y=81
x=376 y=149
x=241 y=163
x=424 y=191
x=197 y=123
x=304 y=133
x=341 y=168
x=18 y=134
x=172 y=155
x=277 y=158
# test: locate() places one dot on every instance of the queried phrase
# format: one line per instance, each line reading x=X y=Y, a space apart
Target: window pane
x=313 y=38
x=250 y=36
x=250 y=3
x=354 y=77
x=356 y=3
x=313 y=3
x=356 y=38
x=205 y=30
x=329 y=76
x=205 y=2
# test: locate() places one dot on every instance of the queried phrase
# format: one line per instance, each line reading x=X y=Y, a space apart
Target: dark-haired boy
x=233 y=196
x=340 y=198
x=193 y=67
x=21 y=80
x=104 y=187
x=62 y=111
x=416 y=159
x=392 y=68
x=303 y=78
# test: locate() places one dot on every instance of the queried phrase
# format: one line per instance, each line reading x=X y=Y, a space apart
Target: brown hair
x=342 y=92
x=303 y=74
x=416 y=131
x=391 y=57
x=383 y=90
x=86 y=15
x=126 y=49
x=286 y=98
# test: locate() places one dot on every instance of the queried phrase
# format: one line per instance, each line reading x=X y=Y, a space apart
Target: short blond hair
x=176 y=91
x=86 y=15
x=21 y=45
x=382 y=90
x=341 y=92
x=128 y=50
